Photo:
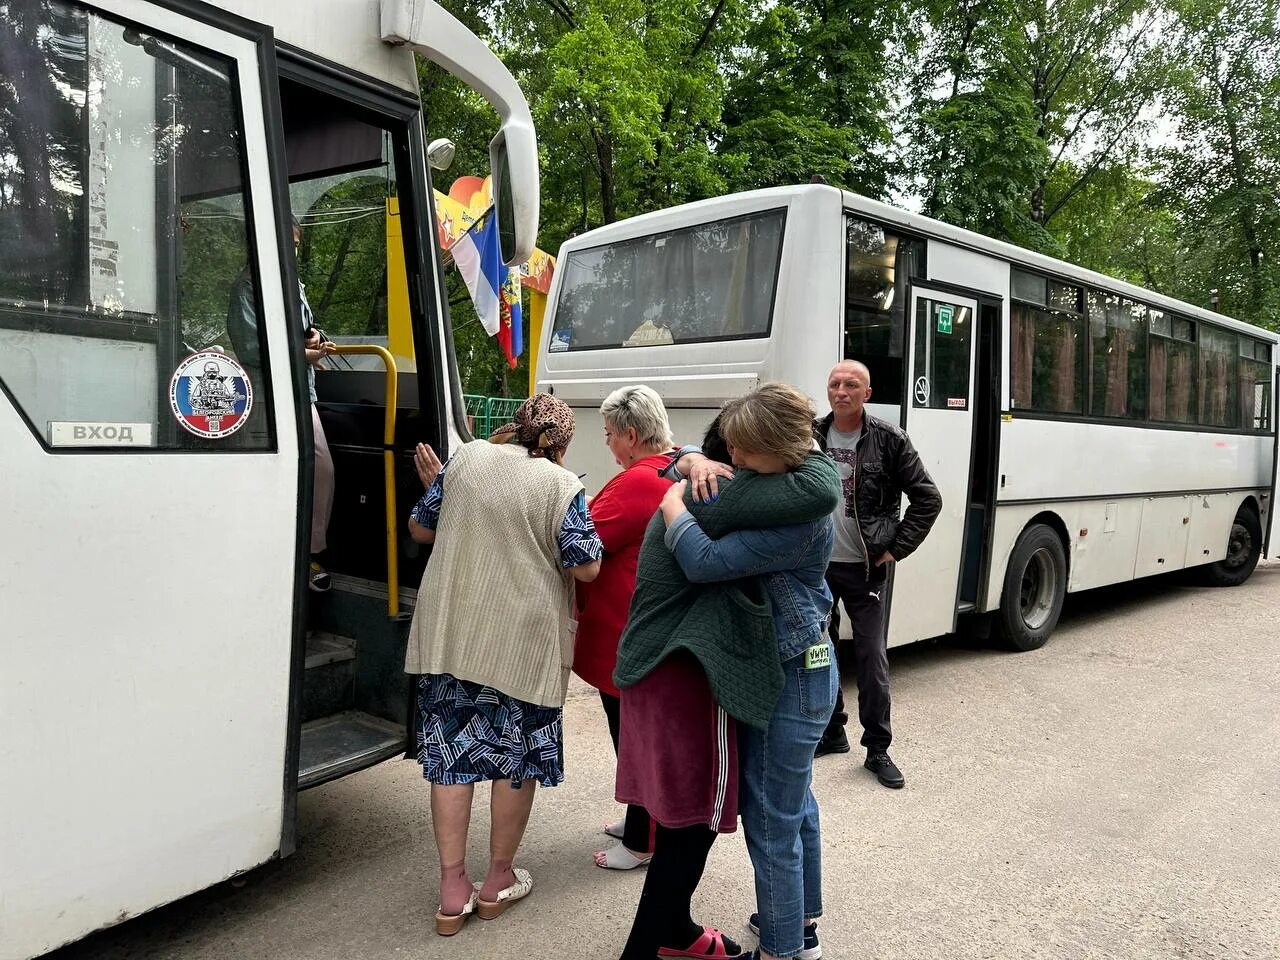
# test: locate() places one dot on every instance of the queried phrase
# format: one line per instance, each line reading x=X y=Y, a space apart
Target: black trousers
x=637 y=829
x=664 y=918
x=862 y=595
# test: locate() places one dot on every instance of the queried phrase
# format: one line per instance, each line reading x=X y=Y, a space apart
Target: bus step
x=328 y=686
x=323 y=648
x=344 y=743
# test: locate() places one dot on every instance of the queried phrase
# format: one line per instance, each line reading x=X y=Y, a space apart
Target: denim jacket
x=791 y=559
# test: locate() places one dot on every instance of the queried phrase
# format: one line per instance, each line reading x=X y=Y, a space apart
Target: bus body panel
x=343 y=32
x=1040 y=461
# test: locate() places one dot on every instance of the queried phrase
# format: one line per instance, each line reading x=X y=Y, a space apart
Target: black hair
x=713 y=443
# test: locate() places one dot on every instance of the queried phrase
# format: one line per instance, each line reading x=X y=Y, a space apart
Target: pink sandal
x=712 y=943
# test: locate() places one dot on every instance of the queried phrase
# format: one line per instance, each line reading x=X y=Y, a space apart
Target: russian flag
x=494 y=289
x=480 y=262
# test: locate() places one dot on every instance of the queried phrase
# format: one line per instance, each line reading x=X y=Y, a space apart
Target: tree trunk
x=1246 y=212
x=608 y=188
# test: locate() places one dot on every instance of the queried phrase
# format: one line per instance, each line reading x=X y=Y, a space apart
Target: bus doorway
x=986 y=437
x=356 y=208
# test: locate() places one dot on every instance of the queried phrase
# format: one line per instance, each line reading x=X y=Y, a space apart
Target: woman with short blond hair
x=638 y=435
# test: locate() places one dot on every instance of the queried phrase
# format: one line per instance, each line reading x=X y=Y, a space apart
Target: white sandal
x=449 y=924
x=616 y=830
x=491 y=909
x=618 y=857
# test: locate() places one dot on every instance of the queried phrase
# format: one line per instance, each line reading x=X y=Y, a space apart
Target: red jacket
x=621 y=511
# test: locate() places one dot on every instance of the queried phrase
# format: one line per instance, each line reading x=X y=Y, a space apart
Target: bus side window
x=123 y=234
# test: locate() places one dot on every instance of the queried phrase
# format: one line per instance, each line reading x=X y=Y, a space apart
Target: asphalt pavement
x=1115 y=794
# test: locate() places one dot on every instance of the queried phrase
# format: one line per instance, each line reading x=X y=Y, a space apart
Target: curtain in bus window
x=1172 y=370
x=1064 y=374
x=1021 y=354
x=1158 y=368
x=1182 y=388
x=1218 y=350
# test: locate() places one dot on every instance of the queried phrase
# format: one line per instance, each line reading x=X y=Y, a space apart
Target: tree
x=1225 y=170
x=1016 y=109
x=810 y=94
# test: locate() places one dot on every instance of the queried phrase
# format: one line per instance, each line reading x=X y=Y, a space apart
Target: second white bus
x=1083 y=431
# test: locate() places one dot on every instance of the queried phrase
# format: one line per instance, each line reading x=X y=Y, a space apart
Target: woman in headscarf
x=492 y=639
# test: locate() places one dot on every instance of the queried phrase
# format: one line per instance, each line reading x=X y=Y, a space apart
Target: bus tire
x=1034 y=586
x=1244 y=547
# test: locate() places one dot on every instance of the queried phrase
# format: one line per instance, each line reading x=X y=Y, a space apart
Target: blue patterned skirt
x=468 y=733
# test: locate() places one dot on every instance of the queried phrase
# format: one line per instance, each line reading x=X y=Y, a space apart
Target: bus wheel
x=1244 y=546
x=1034 y=586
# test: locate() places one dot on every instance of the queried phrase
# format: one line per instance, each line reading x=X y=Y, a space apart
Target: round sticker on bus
x=211 y=395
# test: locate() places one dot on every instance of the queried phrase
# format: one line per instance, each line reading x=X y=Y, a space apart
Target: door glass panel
x=353 y=278
x=878 y=266
x=122 y=234
x=943 y=345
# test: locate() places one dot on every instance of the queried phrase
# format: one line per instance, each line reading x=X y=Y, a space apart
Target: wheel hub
x=1239 y=546
x=1038 y=589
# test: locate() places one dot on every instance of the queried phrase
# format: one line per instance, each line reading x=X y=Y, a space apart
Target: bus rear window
x=714 y=281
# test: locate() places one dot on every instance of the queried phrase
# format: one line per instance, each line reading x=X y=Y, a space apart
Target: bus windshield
x=713 y=281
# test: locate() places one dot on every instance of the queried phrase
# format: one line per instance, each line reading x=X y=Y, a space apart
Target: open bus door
x=151 y=540
x=1269 y=548
x=938 y=415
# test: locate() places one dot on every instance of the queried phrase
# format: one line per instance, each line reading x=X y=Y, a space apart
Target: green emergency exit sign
x=945 y=313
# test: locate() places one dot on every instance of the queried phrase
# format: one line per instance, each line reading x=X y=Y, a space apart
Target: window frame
x=1244 y=426
x=782 y=209
x=135 y=327
x=1083 y=332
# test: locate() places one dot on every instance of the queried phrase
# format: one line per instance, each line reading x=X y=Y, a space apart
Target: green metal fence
x=486 y=414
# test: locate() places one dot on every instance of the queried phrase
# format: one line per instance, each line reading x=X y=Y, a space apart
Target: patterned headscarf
x=543 y=423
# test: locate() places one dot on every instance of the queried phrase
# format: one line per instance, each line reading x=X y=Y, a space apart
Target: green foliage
x=1139 y=138
x=1223 y=176
x=810 y=95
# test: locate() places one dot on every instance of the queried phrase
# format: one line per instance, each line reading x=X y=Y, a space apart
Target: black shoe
x=812 y=949
x=886 y=770
x=832 y=743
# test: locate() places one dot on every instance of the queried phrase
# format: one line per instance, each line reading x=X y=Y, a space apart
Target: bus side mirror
x=425 y=26
x=513 y=155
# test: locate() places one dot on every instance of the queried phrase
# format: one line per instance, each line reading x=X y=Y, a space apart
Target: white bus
x=1082 y=431
x=169 y=682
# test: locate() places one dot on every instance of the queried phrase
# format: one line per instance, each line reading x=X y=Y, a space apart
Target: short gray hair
x=639 y=408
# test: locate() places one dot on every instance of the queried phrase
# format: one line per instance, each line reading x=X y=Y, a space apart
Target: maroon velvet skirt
x=677 y=750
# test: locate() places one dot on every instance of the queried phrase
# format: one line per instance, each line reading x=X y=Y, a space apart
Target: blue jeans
x=779 y=811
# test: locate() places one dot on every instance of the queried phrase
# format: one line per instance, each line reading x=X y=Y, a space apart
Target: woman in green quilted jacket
x=724 y=591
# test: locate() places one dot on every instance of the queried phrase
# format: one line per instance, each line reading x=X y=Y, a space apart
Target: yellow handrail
x=388 y=463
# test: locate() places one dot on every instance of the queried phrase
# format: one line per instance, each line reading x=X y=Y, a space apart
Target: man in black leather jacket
x=878 y=465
